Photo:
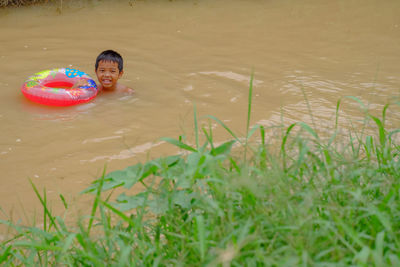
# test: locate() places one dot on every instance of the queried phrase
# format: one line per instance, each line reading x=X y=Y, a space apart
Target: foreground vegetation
x=300 y=200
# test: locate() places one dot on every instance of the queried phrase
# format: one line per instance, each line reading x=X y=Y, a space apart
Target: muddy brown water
x=178 y=53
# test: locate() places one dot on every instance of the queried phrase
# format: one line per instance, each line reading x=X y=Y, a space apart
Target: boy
x=109 y=68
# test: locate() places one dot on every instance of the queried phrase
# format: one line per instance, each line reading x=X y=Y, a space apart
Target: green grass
x=298 y=200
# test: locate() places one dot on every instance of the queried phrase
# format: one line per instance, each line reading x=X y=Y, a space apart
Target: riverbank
x=8 y=3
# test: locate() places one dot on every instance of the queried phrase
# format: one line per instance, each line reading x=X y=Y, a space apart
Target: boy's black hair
x=110 y=55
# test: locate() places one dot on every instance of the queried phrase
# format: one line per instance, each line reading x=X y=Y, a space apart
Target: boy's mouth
x=106 y=81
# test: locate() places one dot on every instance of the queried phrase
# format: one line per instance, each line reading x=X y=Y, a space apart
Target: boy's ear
x=120 y=73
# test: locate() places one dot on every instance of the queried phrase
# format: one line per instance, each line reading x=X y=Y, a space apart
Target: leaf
x=6 y=253
x=201 y=236
x=337 y=114
x=369 y=146
x=109 y=183
x=252 y=130
x=225 y=148
x=125 y=203
x=178 y=144
x=171 y=160
x=182 y=198
x=195 y=162
x=97 y=199
x=44 y=204
x=63 y=201
x=358 y=101
x=362 y=256
x=308 y=129
x=196 y=127
x=284 y=139
x=132 y=175
x=126 y=177
x=120 y=178
x=184 y=182
x=382 y=136
x=225 y=127
x=249 y=103
x=384 y=218
x=149 y=168
x=393 y=133
x=158 y=205
x=262 y=133
x=68 y=242
x=119 y=213
x=377 y=253
x=384 y=114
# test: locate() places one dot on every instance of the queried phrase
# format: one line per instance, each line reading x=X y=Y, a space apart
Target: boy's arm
x=125 y=89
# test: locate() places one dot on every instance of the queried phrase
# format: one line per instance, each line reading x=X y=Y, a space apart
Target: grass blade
x=196 y=127
x=364 y=108
x=201 y=236
x=225 y=127
x=178 y=144
x=63 y=201
x=96 y=200
x=44 y=204
x=381 y=129
x=309 y=129
x=248 y=114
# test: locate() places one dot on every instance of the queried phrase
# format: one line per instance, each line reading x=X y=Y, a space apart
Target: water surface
x=178 y=53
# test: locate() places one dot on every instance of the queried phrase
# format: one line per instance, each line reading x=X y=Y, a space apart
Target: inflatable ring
x=60 y=87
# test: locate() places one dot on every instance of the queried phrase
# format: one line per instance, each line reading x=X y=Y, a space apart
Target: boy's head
x=112 y=56
x=109 y=68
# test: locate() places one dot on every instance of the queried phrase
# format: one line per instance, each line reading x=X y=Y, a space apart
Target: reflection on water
x=230 y=75
x=126 y=153
x=180 y=53
x=42 y=112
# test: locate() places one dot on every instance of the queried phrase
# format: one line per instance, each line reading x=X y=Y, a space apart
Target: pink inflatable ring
x=60 y=87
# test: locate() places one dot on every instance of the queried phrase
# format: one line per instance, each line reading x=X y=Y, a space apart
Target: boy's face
x=108 y=74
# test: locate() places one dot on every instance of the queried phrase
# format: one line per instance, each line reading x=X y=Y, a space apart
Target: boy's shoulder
x=124 y=89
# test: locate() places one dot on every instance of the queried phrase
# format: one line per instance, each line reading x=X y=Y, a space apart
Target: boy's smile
x=108 y=74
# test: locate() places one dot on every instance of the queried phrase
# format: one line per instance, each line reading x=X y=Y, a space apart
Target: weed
x=312 y=203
